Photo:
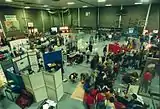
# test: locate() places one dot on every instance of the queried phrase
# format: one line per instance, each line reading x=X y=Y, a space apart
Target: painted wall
x=31 y=16
x=47 y=21
x=153 y=22
x=134 y=15
x=108 y=16
x=35 y=17
x=74 y=17
x=57 y=21
x=90 y=20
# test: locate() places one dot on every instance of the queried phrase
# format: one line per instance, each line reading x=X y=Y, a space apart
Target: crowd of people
x=99 y=85
x=99 y=90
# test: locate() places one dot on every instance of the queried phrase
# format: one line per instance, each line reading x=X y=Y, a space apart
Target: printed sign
x=10 y=17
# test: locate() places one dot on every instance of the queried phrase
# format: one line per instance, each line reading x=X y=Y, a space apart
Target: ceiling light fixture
x=84 y=6
x=108 y=5
x=101 y=0
x=145 y=1
x=138 y=3
x=45 y=6
x=8 y=0
x=27 y=7
x=70 y=3
x=48 y=9
x=64 y=7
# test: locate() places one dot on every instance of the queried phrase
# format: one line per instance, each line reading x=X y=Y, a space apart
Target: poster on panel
x=11 y=23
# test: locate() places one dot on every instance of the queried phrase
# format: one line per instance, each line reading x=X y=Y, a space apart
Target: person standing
x=116 y=69
x=147 y=77
x=88 y=55
x=93 y=64
x=105 y=50
x=100 y=100
x=89 y=101
x=90 y=47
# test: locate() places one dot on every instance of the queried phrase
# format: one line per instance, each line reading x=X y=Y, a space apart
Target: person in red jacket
x=100 y=100
x=89 y=101
x=147 y=77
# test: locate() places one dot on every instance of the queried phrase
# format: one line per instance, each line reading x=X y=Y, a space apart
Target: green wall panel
x=67 y=19
x=57 y=19
x=134 y=15
x=153 y=21
x=35 y=17
x=47 y=20
x=90 y=20
x=74 y=17
x=108 y=17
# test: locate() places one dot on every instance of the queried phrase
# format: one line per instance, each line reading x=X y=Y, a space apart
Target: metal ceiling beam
x=87 y=3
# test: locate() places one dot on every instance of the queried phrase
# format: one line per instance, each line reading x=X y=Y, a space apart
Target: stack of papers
x=48 y=104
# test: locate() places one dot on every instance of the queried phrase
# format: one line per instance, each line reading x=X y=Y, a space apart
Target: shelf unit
x=54 y=85
x=35 y=84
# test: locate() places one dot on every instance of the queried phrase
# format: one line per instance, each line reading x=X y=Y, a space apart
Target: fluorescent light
x=8 y=1
x=27 y=7
x=47 y=9
x=108 y=5
x=84 y=6
x=101 y=0
x=138 y=3
x=45 y=6
x=145 y=1
x=64 y=7
x=70 y=3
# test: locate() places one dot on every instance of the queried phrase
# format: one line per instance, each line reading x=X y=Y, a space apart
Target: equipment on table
x=131 y=78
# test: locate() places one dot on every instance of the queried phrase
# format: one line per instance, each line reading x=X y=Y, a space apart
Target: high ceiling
x=78 y=3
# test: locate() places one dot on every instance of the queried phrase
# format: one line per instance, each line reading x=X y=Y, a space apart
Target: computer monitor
x=131 y=30
x=54 y=30
x=64 y=29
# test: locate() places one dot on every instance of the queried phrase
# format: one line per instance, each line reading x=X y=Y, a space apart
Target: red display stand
x=114 y=48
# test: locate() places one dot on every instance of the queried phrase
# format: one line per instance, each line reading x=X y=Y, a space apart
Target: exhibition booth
x=38 y=73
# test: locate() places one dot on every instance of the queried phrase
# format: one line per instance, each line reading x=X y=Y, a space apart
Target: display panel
x=54 y=29
x=131 y=30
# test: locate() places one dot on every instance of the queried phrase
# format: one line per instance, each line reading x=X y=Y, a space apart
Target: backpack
x=25 y=99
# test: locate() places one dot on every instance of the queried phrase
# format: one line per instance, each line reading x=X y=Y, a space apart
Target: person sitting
x=73 y=77
x=83 y=77
x=79 y=58
x=130 y=78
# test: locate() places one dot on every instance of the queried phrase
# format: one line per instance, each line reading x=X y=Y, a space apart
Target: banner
x=10 y=17
x=1 y=35
x=12 y=25
x=2 y=77
x=30 y=24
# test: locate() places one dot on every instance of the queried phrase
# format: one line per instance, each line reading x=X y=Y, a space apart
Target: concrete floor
x=67 y=102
